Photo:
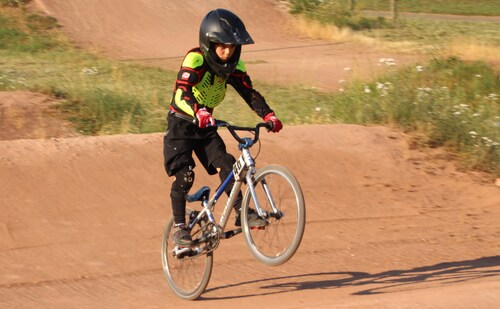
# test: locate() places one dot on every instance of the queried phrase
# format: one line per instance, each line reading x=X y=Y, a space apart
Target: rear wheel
x=276 y=243
x=187 y=274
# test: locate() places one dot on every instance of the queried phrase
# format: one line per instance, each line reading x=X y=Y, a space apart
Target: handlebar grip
x=269 y=125
x=194 y=120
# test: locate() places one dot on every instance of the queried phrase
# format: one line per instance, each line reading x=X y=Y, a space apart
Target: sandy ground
x=157 y=32
x=81 y=217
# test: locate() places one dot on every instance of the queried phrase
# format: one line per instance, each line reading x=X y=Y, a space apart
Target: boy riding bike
x=200 y=87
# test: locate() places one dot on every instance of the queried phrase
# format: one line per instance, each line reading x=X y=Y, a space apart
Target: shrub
x=14 y=3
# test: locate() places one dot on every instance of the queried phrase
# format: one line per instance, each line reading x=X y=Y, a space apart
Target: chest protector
x=211 y=90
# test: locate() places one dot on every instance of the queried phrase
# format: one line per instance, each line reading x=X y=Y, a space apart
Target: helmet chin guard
x=222 y=26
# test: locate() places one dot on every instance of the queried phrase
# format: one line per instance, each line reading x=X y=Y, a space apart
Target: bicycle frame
x=188 y=268
x=247 y=169
x=243 y=170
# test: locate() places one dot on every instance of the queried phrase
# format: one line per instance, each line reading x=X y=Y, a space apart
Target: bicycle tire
x=189 y=276
x=277 y=242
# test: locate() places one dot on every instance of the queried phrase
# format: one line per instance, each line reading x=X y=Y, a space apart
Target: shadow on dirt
x=441 y=274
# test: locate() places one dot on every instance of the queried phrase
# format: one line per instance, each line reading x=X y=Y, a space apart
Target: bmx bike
x=272 y=191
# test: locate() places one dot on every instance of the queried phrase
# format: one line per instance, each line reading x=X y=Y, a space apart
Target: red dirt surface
x=81 y=217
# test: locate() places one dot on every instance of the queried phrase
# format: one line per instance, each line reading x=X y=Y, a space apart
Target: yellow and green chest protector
x=210 y=91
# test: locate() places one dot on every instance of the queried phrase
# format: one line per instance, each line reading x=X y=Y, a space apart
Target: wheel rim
x=187 y=276
x=277 y=242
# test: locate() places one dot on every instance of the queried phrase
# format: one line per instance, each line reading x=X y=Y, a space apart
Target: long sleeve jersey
x=198 y=87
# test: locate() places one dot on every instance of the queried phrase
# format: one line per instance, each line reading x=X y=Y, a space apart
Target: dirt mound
x=31 y=115
x=387 y=226
x=161 y=32
x=81 y=217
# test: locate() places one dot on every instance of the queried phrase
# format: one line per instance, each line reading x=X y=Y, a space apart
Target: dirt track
x=388 y=226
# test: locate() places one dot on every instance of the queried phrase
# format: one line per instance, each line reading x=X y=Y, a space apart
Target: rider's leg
x=184 y=179
x=225 y=166
x=183 y=182
x=214 y=157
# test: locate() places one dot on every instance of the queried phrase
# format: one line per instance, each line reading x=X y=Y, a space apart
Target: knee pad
x=184 y=180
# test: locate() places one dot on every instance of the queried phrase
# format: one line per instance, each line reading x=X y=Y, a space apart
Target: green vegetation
x=13 y=3
x=336 y=12
x=458 y=7
x=428 y=32
x=416 y=30
x=100 y=96
x=449 y=101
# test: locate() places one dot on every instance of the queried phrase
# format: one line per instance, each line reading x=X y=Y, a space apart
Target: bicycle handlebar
x=232 y=129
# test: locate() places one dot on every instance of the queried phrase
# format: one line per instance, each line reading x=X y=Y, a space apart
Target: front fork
x=249 y=162
x=256 y=202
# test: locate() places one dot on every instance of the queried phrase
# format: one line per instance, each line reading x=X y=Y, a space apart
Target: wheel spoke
x=187 y=276
x=278 y=242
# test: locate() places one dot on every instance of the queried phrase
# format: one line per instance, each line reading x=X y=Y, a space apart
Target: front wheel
x=187 y=274
x=276 y=243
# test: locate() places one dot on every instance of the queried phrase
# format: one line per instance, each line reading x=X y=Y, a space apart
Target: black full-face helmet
x=222 y=26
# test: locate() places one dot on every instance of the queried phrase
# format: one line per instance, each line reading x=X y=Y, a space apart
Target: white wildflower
x=419 y=68
x=387 y=61
x=318 y=109
x=90 y=71
x=424 y=89
x=486 y=139
x=367 y=89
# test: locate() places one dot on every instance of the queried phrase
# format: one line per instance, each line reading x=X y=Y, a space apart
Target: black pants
x=181 y=140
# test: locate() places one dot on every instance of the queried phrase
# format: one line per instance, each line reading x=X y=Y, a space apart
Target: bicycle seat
x=200 y=195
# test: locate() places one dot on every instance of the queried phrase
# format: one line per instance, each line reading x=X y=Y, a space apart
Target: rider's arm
x=190 y=74
x=242 y=83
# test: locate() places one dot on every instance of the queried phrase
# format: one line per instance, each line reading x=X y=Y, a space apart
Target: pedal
x=257 y=227
x=231 y=233
x=179 y=251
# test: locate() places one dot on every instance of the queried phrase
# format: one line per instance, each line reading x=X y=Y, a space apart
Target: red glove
x=277 y=125
x=204 y=118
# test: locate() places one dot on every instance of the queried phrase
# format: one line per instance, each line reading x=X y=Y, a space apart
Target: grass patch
x=13 y=3
x=438 y=32
x=336 y=13
x=100 y=96
x=457 y=7
x=454 y=103
x=332 y=20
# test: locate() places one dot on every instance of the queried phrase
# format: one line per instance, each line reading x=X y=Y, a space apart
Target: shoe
x=254 y=220
x=182 y=237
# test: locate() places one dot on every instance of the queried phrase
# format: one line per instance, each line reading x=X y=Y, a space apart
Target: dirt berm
x=388 y=226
